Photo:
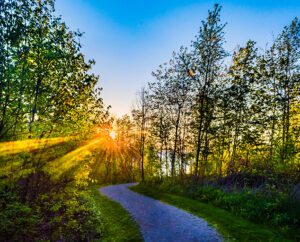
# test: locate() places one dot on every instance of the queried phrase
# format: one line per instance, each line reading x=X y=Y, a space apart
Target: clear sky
x=128 y=39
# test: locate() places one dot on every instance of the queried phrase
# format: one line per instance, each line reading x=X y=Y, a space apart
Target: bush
x=69 y=217
x=65 y=216
x=254 y=206
x=17 y=220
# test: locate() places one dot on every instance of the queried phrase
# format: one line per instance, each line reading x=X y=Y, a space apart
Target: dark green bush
x=65 y=216
x=17 y=220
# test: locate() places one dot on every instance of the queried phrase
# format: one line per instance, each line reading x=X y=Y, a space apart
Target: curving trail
x=160 y=222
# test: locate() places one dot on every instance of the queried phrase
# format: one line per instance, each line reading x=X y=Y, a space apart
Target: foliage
x=46 y=87
x=56 y=216
x=48 y=101
x=205 y=118
x=17 y=220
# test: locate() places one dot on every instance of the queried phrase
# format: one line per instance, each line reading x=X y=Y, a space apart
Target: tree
x=287 y=47
x=243 y=76
x=45 y=79
x=140 y=115
x=177 y=95
x=207 y=55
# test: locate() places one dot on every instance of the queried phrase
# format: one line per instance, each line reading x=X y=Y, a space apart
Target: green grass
x=232 y=228
x=118 y=224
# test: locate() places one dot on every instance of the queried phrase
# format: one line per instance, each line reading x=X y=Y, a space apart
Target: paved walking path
x=160 y=222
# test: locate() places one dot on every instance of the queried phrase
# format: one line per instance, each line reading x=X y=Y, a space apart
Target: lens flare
x=113 y=134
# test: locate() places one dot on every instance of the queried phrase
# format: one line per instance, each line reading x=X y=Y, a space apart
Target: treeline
x=49 y=111
x=46 y=86
x=225 y=129
x=211 y=114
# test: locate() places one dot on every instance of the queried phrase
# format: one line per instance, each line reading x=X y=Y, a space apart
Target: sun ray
x=14 y=147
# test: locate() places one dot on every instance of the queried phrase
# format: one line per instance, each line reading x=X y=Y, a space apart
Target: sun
x=113 y=134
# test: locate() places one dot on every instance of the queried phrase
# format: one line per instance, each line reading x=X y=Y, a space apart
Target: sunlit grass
x=118 y=224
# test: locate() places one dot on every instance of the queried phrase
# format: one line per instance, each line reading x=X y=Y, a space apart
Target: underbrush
x=66 y=216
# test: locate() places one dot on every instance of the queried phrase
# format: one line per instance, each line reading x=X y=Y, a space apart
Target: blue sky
x=129 y=38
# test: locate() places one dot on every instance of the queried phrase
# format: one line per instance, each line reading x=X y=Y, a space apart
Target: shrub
x=17 y=221
x=64 y=216
x=69 y=217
